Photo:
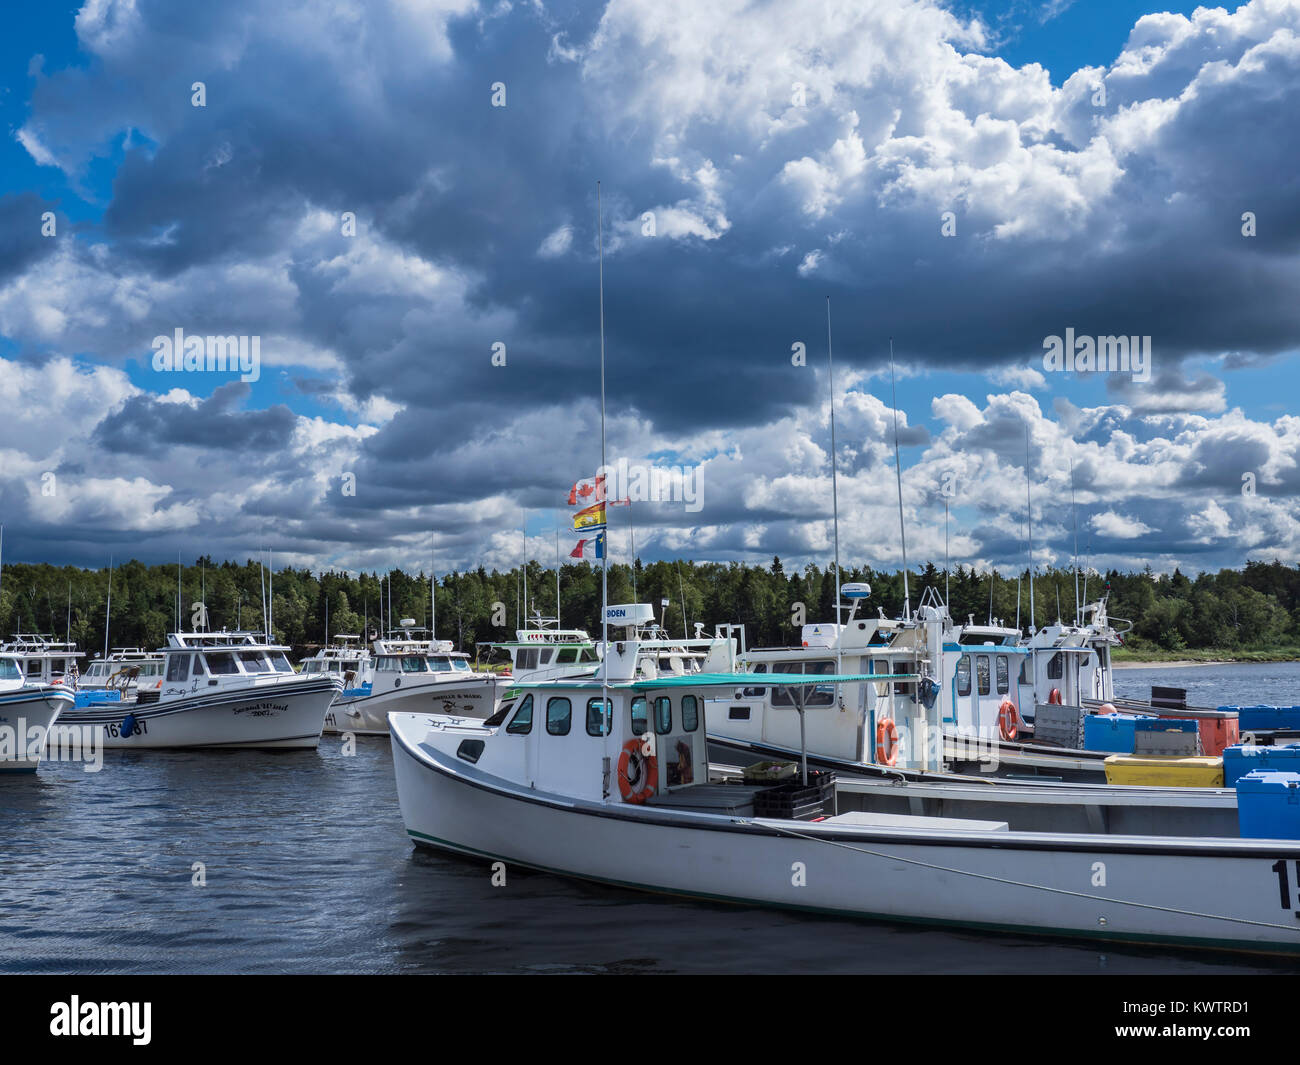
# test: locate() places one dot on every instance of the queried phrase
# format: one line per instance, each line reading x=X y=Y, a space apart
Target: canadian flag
x=588 y=491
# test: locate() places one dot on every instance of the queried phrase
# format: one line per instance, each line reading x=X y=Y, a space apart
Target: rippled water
x=308 y=870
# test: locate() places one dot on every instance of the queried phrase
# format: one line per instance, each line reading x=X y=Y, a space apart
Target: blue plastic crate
x=1243 y=758
x=1111 y=732
x=1268 y=805
x=1251 y=718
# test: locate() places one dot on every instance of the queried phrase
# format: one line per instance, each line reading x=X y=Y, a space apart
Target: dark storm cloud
x=145 y=425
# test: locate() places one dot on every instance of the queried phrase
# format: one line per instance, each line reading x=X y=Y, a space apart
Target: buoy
x=128 y=726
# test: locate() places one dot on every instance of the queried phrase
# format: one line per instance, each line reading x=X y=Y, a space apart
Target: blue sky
x=781 y=164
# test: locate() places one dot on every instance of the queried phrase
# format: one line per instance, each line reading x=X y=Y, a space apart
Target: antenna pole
x=525 y=569
x=108 y=611
x=1078 y=613
x=1029 y=518
x=946 y=564
x=557 y=574
x=835 y=497
x=433 y=601
x=604 y=555
x=898 y=475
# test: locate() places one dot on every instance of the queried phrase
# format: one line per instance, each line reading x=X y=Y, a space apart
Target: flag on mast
x=593 y=547
x=592 y=518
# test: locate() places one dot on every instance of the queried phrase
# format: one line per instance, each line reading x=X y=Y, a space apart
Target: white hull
x=1218 y=893
x=26 y=716
x=473 y=697
x=288 y=714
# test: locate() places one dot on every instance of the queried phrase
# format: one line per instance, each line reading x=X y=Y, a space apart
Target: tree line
x=1256 y=607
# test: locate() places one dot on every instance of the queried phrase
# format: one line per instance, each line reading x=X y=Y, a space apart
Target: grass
x=1207 y=654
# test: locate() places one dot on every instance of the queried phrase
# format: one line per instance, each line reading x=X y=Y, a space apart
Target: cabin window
x=500 y=715
x=440 y=664
x=588 y=654
x=690 y=713
x=559 y=715
x=459 y=665
x=598 y=723
x=9 y=670
x=566 y=656
x=311 y=667
x=737 y=713
x=821 y=695
x=522 y=723
x=527 y=658
x=1024 y=670
x=881 y=667
x=254 y=662
x=982 y=674
x=178 y=668
x=639 y=716
x=544 y=656
x=963 y=675
x=470 y=750
x=386 y=665
x=756 y=693
x=414 y=664
x=33 y=667
x=280 y=662
x=663 y=715
x=1056 y=666
x=221 y=665
x=1004 y=675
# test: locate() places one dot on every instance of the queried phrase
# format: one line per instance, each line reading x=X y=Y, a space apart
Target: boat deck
x=728 y=798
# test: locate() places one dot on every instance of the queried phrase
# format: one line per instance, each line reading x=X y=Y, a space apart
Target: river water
x=306 y=869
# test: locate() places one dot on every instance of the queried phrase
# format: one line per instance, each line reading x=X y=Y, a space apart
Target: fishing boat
x=541 y=651
x=348 y=660
x=124 y=670
x=219 y=689
x=28 y=711
x=608 y=780
x=409 y=670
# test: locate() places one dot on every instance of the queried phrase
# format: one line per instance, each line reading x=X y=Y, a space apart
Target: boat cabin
x=199 y=661
x=43 y=659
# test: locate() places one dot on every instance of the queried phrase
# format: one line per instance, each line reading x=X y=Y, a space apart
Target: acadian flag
x=593 y=548
x=590 y=490
x=591 y=518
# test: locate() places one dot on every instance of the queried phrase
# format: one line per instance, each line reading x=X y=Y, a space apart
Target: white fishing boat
x=620 y=792
x=542 y=651
x=27 y=713
x=219 y=689
x=347 y=660
x=409 y=670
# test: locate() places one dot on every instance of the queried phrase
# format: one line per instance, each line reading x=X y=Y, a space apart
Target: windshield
x=254 y=662
x=414 y=664
x=9 y=670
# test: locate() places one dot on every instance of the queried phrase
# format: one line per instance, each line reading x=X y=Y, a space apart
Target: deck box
x=1251 y=718
x=1268 y=805
x=1111 y=732
x=1165 y=737
x=1243 y=758
x=1199 y=772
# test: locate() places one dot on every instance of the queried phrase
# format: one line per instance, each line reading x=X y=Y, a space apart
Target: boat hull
x=288 y=715
x=1213 y=893
x=26 y=717
x=367 y=715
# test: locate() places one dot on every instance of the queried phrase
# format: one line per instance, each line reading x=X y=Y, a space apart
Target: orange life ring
x=1055 y=697
x=649 y=768
x=1008 y=720
x=886 y=741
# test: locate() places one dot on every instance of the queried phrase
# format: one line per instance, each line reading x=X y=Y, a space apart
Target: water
x=308 y=870
x=1244 y=684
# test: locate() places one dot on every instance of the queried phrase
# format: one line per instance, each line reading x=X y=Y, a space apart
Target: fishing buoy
x=128 y=726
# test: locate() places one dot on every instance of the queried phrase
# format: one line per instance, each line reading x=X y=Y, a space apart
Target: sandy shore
x=1179 y=664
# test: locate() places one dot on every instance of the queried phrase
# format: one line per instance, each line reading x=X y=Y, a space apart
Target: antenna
x=835 y=497
x=1078 y=613
x=108 y=611
x=993 y=576
x=1029 y=517
x=433 y=600
x=525 y=568
x=898 y=474
x=605 y=554
x=178 y=591
x=557 y=572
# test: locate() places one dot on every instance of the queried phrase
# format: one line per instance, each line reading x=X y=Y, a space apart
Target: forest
x=1256 y=608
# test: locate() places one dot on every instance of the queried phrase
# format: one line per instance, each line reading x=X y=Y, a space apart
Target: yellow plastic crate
x=1199 y=772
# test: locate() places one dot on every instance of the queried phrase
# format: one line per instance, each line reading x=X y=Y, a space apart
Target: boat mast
x=1029 y=519
x=898 y=475
x=604 y=555
x=433 y=601
x=835 y=498
x=108 y=610
x=525 y=532
x=1074 y=510
x=557 y=574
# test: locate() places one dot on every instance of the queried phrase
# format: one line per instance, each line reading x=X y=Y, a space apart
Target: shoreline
x=1189 y=663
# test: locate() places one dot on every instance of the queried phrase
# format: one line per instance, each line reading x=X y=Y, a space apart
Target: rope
x=1021 y=883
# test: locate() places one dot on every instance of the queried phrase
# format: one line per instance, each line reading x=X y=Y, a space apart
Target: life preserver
x=649 y=773
x=886 y=741
x=1055 y=697
x=1008 y=720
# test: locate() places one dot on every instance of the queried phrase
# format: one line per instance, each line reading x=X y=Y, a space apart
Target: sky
x=396 y=202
